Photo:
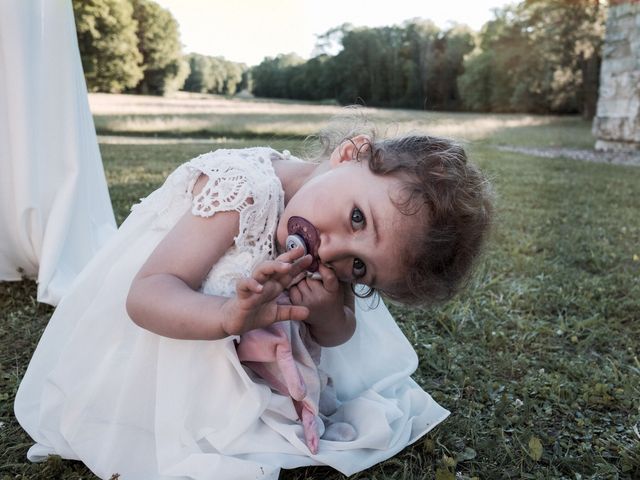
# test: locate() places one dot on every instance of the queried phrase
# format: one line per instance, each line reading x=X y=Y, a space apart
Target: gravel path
x=618 y=158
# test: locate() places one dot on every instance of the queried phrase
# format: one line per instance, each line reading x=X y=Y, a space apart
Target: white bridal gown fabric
x=124 y=400
x=55 y=211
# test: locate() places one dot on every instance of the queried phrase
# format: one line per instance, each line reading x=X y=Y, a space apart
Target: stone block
x=616 y=50
x=618 y=108
x=622 y=10
x=630 y=130
x=619 y=65
x=617 y=129
x=614 y=35
x=610 y=146
x=606 y=128
x=626 y=23
x=628 y=82
x=607 y=89
x=623 y=85
x=616 y=90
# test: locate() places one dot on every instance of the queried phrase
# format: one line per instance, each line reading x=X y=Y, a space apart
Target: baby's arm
x=163 y=297
x=331 y=306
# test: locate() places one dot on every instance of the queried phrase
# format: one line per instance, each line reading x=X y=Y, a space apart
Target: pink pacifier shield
x=305 y=229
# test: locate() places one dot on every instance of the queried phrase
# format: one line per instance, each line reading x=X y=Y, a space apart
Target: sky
x=249 y=30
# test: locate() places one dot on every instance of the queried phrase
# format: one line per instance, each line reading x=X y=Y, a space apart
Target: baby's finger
x=297 y=279
x=291 y=312
x=265 y=270
x=284 y=277
x=295 y=295
x=329 y=279
x=304 y=288
x=303 y=262
x=291 y=255
x=299 y=266
x=248 y=285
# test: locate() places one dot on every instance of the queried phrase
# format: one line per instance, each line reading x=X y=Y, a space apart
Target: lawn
x=538 y=360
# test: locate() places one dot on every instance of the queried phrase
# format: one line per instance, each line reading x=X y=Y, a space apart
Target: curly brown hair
x=456 y=202
x=451 y=195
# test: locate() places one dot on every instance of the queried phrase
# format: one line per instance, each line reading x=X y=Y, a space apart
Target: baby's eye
x=357 y=218
x=359 y=268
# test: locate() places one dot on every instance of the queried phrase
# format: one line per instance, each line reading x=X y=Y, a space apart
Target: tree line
x=539 y=56
x=134 y=46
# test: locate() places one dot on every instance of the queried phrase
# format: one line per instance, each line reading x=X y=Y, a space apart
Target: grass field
x=538 y=360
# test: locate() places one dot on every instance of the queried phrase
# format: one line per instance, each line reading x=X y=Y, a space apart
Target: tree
x=233 y=77
x=164 y=68
x=108 y=44
x=475 y=85
x=419 y=68
x=458 y=42
x=214 y=75
x=198 y=79
x=271 y=77
x=571 y=35
x=538 y=56
x=388 y=66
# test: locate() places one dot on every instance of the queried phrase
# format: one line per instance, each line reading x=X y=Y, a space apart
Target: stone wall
x=617 y=122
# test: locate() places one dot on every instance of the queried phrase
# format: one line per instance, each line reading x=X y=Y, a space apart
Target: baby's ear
x=361 y=143
x=349 y=149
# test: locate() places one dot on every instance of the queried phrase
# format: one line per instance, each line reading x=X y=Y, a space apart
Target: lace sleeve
x=226 y=189
x=242 y=181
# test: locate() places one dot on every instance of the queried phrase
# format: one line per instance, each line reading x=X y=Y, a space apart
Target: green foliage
x=538 y=56
x=476 y=84
x=214 y=75
x=414 y=65
x=313 y=80
x=273 y=76
x=108 y=44
x=129 y=45
x=159 y=43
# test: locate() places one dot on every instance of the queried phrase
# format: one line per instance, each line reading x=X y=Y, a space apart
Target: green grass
x=542 y=349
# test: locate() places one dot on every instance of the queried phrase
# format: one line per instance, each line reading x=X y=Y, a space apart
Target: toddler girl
x=202 y=260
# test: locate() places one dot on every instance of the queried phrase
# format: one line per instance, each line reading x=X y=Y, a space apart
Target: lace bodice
x=240 y=180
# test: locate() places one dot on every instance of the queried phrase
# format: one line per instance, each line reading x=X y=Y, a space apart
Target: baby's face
x=361 y=232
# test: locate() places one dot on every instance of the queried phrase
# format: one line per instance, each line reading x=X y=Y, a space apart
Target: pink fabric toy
x=287 y=358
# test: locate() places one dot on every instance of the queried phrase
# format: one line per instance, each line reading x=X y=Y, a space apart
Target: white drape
x=55 y=210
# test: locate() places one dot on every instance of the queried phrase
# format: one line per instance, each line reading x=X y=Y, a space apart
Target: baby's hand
x=324 y=298
x=255 y=303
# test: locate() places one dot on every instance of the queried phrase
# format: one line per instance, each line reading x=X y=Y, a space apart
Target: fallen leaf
x=535 y=448
x=467 y=454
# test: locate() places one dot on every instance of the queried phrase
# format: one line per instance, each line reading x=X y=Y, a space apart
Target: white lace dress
x=124 y=400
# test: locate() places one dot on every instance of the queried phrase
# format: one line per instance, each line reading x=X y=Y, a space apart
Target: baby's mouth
x=301 y=229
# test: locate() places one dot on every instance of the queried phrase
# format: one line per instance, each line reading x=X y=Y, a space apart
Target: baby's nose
x=332 y=249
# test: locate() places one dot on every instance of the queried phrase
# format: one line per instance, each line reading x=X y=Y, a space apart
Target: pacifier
x=302 y=233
